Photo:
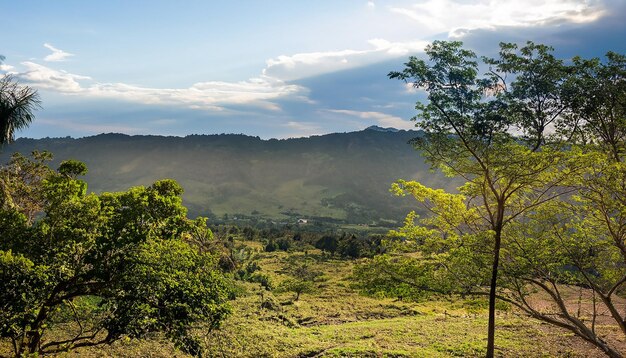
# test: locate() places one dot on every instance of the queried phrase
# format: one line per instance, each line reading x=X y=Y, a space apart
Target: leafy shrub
x=271 y=246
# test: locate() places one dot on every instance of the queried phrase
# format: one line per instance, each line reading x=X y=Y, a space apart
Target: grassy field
x=336 y=321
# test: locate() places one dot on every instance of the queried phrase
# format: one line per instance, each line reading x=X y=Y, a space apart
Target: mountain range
x=340 y=177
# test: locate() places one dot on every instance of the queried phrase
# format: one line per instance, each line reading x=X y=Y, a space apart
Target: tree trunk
x=33 y=337
x=491 y=330
x=33 y=342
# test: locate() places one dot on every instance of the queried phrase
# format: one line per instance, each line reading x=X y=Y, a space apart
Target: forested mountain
x=341 y=176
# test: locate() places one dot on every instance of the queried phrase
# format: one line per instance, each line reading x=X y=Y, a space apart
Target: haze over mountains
x=342 y=177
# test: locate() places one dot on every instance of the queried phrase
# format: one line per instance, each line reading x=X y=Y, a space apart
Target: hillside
x=341 y=176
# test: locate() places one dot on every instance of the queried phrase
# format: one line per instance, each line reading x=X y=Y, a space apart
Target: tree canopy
x=539 y=144
x=108 y=266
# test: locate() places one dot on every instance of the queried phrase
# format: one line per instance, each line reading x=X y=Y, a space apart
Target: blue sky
x=268 y=68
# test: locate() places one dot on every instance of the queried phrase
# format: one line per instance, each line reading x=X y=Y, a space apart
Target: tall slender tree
x=468 y=123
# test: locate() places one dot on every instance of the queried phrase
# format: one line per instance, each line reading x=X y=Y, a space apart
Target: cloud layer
x=302 y=65
x=308 y=85
x=210 y=95
x=456 y=17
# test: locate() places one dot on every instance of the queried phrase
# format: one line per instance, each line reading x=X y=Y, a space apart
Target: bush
x=284 y=243
x=271 y=246
x=327 y=243
x=264 y=280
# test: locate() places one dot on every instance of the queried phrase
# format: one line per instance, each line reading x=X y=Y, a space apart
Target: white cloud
x=453 y=16
x=371 y=5
x=302 y=65
x=308 y=64
x=6 y=68
x=261 y=91
x=382 y=119
x=47 y=78
x=398 y=48
x=56 y=55
x=457 y=17
x=212 y=95
x=203 y=95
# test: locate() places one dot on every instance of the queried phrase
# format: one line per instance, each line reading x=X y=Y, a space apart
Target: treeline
x=289 y=238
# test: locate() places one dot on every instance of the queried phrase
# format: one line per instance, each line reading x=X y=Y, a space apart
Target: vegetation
x=109 y=266
x=335 y=320
x=243 y=180
x=542 y=202
x=17 y=104
x=537 y=228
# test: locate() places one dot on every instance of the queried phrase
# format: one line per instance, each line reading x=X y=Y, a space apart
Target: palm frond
x=17 y=106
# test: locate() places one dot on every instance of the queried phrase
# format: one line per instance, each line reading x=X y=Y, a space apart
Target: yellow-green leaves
x=448 y=211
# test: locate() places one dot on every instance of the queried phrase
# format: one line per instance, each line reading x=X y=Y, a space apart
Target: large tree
x=17 y=106
x=102 y=266
x=541 y=146
x=468 y=123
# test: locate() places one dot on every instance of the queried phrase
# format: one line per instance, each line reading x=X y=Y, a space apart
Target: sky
x=274 y=69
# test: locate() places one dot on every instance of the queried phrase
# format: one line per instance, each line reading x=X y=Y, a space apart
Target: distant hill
x=381 y=129
x=343 y=176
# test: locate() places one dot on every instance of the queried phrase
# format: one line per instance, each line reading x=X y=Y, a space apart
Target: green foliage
x=284 y=243
x=599 y=110
x=250 y=233
x=350 y=245
x=302 y=278
x=271 y=246
x=381 y=277
x=297 y=286
x=72 y=168
x=336 y=320
x=327 y=243
x=542 y=209
x=131 y=254
x=251 y=273
x=264 y=280
x=17 y=106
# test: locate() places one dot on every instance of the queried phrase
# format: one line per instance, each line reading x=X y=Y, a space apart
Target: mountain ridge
x=339 y=176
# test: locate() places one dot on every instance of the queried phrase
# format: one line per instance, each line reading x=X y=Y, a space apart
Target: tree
x=550 y=201
x=467 y=124
x=350 y=245
x=327 y=243
x=301 y=280
x=579 y=240
x=106 y=266
x=598 y=119
x=297 y=286
x=17 y=106
x=21 y=184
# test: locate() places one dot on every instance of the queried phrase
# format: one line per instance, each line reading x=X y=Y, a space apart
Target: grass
x=336 y=321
